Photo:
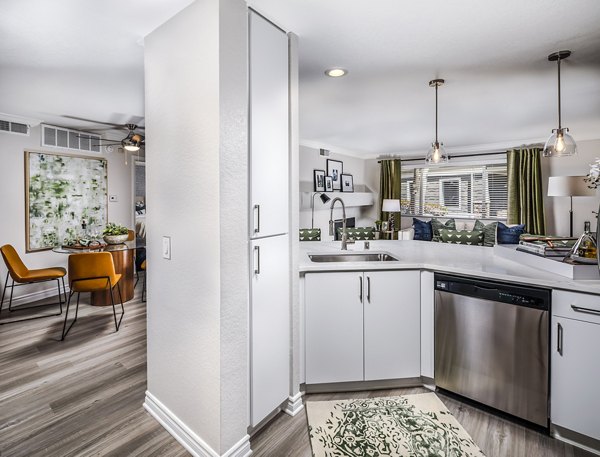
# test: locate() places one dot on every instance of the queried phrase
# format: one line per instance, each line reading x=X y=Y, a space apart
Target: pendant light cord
x=436 y=113
x=559 y=115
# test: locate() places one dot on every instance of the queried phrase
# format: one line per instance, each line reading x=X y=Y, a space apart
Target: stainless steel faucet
x=331 y=231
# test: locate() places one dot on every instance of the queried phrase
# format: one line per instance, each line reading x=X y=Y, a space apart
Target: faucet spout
x=331 y=225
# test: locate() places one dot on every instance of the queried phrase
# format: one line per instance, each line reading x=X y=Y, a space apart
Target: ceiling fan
x=133 y=142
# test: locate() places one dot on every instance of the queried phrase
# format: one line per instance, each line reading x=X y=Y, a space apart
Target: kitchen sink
x=353 y=257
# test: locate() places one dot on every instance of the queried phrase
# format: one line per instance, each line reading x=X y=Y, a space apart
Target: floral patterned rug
x=409 y=426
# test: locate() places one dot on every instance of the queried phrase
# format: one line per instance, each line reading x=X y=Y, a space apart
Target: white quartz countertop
x=477 y=261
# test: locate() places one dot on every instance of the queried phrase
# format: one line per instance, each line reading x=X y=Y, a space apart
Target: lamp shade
x=390 y=205
x=569 y=186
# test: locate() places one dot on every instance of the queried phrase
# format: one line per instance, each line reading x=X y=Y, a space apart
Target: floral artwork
x=63 y=192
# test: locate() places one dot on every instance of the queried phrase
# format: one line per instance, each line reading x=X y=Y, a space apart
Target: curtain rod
x=458 y=156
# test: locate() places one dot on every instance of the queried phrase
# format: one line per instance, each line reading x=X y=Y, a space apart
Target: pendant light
x=437 y=153
x=560 y=143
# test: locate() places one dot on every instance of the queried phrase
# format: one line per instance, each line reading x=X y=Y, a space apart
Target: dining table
x=123 y=255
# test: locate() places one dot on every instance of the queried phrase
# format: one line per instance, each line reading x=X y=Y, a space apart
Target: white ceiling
x=85 y=59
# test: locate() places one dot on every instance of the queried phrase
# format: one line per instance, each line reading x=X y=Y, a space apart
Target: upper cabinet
x=269 y=129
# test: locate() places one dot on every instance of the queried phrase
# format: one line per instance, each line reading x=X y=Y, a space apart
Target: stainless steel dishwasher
x=491 y=344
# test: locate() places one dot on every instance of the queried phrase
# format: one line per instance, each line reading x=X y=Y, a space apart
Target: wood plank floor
x=83 y=397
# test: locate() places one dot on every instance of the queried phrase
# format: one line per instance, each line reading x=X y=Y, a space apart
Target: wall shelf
x=362 y=197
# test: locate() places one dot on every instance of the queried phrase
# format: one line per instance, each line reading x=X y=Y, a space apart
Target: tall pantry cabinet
x=269 y=217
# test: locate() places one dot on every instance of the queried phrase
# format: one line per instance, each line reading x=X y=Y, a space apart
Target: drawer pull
x=580 y=309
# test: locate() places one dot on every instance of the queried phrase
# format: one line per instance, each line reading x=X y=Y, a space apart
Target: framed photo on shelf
x=319 y=180
x=328 y=184
x=335 y=168
x=347 y=183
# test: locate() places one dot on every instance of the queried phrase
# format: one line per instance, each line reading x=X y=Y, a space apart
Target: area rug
x=408 y=426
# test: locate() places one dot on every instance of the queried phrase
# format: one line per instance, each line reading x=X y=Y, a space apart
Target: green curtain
x=525 y=196
x=390 y=185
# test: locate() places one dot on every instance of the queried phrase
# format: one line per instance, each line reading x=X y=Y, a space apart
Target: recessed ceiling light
x=336 y=72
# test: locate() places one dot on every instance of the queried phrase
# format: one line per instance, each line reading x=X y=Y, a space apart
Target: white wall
x=310 y=160
x=12 y=203
x=196 y=117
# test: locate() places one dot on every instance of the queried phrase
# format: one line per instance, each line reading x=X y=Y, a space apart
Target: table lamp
x=569 y=186
x=390 y=206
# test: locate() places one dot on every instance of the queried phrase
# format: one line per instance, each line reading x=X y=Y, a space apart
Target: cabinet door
x=334 y=327
x=270 y=326
x=575 y=373
x=392 y=324
x=269 y=144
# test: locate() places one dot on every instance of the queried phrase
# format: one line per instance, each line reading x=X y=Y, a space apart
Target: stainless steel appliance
x=491 y=344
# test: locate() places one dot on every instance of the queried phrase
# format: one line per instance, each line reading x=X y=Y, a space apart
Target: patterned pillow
x=461 y=237
x=423 y=230
x=358 y=233
x=436 y=225
x=489 y=232
x=310 y=234
x=510 y=235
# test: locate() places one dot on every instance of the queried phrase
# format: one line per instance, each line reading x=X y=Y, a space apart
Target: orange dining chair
x=130 y=235
x=21 y=275
x=143 y=268
x=92 y=272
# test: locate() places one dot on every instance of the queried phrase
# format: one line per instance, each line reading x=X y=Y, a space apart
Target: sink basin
x=353 y=257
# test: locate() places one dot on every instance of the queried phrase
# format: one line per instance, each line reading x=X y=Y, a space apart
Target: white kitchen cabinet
x=427 y=324
x=269 y=135
x=270 y=325
x=392 y=324
x=362 y=326
x=575 y=369
x=334 y=327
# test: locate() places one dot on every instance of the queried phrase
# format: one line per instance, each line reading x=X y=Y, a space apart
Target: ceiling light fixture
x=132 y=142
x=560 y=143
x=336 y=72
x=437 y=153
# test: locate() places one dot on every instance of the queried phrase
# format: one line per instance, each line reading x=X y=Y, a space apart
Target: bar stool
x=21 y=275
x=92 y=272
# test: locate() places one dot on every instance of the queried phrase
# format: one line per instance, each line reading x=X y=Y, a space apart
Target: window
x=467 y=191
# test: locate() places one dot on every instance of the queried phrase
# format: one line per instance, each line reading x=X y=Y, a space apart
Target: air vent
x=14 y=127
x=58 y=137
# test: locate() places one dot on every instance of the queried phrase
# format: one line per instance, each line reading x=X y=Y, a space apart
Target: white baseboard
x=294 y=404
x=32 y=296
x=186 y=437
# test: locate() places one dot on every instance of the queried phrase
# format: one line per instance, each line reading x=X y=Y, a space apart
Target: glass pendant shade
x=436 y=154
x=560 y=144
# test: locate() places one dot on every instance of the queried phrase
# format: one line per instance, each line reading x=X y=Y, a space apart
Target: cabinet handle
x=579 y=309
x=257 y=224
x=559 y=339
x=369 y=289
x=360 y=291
x=257 y=260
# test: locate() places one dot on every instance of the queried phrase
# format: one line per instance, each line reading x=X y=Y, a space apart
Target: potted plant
x=115 y=233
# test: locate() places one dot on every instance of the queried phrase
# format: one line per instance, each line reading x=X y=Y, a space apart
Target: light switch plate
x=166 y=247
x=113 y=198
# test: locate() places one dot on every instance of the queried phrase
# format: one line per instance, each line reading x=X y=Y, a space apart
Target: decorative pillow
x=423 y=230
x=489 y=232
x=310 y=234
x=461 y=237
x=509 y=235
x=358 y=233
x=436 y=225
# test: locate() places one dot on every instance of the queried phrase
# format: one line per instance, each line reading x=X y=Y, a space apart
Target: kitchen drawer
x=583 y=307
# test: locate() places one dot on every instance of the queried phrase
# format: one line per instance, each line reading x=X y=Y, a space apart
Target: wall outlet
x=113 y=198
x=166 y=247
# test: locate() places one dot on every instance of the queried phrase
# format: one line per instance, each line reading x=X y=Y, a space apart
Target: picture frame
x=328 y=184
x=61 y=191
x=335 y=168
x=319 y=180
x=347 y=183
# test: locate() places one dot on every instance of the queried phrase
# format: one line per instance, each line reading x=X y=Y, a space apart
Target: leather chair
x=21 y=275
x=92 y=272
